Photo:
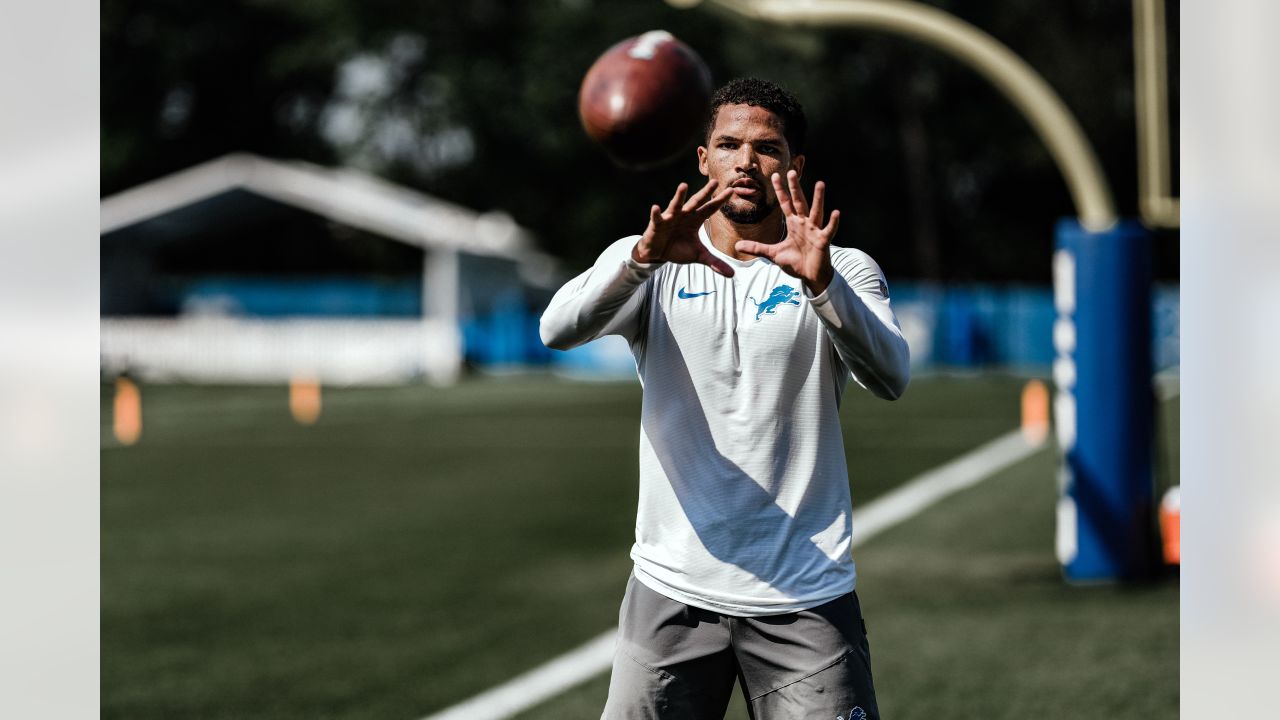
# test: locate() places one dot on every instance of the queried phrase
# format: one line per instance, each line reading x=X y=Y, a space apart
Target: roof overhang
x=343 y=195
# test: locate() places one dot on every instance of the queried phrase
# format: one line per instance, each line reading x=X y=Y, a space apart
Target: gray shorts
x=678 y=661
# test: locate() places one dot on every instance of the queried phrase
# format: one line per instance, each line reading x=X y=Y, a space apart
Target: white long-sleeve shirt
x=744 y=495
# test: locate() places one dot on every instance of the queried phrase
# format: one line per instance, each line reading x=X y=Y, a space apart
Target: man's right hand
x=672 y=235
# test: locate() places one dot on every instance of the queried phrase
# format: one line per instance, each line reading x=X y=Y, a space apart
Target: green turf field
x=420 y=545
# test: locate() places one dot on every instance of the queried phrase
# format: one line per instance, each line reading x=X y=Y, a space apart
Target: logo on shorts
x=781 y=295
x=856 y=713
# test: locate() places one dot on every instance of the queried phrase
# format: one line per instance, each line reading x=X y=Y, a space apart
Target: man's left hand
x=805 y=251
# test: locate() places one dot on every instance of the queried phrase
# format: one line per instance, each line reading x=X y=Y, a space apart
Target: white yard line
x=924 y=490
x=559 y=674
x=541 y=683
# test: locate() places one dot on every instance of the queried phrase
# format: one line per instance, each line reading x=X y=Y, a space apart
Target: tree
x=937 y=175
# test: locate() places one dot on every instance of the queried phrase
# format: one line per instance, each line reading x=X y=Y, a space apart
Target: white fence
x=332 y=351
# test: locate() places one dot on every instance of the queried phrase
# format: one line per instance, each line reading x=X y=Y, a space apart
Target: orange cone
x=127 y=412
x=304 y=400
x=1171 y=525
x=1035 y=412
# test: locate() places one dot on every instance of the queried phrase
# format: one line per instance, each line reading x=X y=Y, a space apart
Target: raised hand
x=804 y=253
x=672 y=235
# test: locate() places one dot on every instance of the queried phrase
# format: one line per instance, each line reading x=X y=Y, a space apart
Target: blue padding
x=1105 y=374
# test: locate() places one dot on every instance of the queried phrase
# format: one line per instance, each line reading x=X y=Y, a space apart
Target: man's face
x=745 y=148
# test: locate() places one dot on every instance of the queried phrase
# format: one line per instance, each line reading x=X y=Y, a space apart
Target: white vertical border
x=49 y=184
x=1230 y=252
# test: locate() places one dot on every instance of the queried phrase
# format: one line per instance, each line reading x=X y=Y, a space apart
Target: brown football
x=645 y=99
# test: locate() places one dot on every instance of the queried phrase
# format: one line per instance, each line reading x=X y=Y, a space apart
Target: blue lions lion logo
x=781 y=295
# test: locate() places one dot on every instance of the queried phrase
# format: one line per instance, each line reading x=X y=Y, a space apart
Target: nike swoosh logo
x=686 y=295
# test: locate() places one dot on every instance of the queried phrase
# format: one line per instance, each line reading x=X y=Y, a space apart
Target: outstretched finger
x=701 y=196
x=819 y=198
x=706 y=258
x=678 y=199
x=798 y=200
x=704 y=211
x=833 y=225
x=756 y=248
x=784 y=198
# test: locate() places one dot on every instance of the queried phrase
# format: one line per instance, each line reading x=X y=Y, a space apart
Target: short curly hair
x=767 y=95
